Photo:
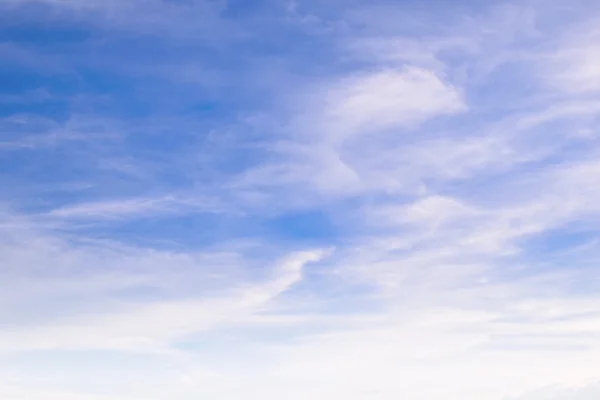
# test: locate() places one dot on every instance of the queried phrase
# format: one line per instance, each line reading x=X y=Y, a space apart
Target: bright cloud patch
x=385 y=100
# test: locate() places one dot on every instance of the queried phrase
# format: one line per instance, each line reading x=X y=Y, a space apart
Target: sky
x=299 y=199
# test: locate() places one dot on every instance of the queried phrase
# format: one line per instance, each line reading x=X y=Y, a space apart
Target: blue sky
x=299 y=199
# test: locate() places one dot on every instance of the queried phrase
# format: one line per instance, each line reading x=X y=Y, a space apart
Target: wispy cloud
x=383 y=100
x=406 y=200
x=132 y=208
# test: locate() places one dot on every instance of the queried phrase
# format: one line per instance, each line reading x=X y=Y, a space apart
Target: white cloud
x=23 y=393
x=137 y=207
x=355 y=109
x=583 y=392
x=574 y=67
x=95 y=279
x=466 y=266
x=383 y=100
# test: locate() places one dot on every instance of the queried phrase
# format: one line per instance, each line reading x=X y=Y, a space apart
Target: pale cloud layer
x=298 y=200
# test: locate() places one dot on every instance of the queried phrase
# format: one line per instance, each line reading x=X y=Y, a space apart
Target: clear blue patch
x=35 y=34
x=556 y=241
x=197 y=229
x=311 y=226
